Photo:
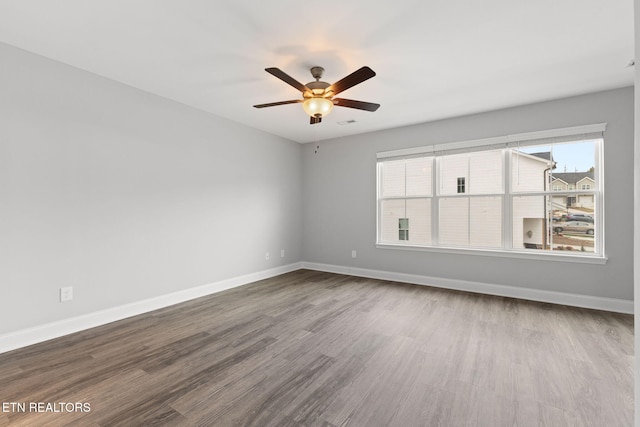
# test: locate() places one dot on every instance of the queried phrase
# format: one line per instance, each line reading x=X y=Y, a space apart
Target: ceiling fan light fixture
x=317 y=106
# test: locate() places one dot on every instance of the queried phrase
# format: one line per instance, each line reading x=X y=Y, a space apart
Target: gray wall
x=125 y=195
x=340 y=198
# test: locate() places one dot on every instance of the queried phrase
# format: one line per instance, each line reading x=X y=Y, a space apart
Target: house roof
x=543 y=155
x=572 y=177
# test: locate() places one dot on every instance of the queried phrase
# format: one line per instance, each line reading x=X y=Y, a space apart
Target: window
x=470 y=214
x=403 y=229
x=405 y=201
x=503 y=194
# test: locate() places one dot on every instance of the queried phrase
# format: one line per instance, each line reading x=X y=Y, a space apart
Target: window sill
x=524 y=254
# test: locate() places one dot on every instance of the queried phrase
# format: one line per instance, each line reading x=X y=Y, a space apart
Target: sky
x=572 y=156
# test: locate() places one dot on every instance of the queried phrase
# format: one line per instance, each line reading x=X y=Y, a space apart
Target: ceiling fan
x=318 y=97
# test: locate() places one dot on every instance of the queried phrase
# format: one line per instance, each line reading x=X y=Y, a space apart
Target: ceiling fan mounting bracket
x=317 y=72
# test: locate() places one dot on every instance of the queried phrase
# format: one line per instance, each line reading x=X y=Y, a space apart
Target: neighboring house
x=469 y=187
x=570 y=181
x=530 y=172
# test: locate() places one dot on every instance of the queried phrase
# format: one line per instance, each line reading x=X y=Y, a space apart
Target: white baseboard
x=36 y=334
x=575 y=300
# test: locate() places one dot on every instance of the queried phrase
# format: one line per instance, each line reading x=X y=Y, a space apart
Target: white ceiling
x=433 y=59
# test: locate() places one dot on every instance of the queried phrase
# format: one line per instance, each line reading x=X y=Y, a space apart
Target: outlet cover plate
x=66 y=293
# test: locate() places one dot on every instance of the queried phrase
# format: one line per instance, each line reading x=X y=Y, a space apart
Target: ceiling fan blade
x=360 y=105
x=273 y=104
x=314 y=120
x=277 y=72
x=351 y=80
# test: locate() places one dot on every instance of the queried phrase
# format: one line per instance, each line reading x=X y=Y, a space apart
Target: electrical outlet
x=281 y=253
x=266 y=256
x=354 y=254
x=66 y=293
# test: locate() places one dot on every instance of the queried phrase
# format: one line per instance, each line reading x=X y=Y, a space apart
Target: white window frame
x=589 y=132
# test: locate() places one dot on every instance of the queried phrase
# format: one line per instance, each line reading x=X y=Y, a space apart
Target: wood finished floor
x=318 y=349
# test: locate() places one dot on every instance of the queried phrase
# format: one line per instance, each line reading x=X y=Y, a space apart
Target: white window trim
x=500 y=253
x=500 y=141
x=593 y=131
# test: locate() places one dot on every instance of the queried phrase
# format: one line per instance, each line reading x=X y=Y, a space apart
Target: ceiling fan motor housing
x=317 y=88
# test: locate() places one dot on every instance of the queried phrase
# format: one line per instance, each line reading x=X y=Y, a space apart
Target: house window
x=512 y=205
x=403 y=229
